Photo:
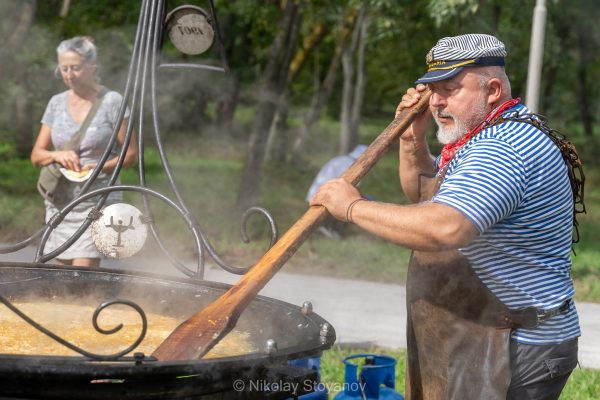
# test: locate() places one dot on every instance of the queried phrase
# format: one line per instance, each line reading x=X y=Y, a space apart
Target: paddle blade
x=196 y=336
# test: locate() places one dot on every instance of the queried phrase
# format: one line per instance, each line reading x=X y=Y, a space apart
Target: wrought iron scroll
x=77 y=349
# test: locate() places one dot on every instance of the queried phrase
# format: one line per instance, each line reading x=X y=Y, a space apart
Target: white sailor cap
x=451 y=54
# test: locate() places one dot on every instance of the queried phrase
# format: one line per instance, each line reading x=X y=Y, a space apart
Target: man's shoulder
x=515 y=128
x=517 y=139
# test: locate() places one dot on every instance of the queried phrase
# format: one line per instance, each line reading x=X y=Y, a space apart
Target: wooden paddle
x=197 y=335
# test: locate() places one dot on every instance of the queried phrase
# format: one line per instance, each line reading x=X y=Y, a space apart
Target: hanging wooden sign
x=190 y=29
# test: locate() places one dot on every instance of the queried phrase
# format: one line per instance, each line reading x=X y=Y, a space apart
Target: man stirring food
x=489 y=294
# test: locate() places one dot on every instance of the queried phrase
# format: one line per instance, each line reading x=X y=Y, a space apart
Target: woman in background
x=63 y=117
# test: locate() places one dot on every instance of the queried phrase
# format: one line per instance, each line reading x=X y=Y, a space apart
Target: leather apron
x=457 y=342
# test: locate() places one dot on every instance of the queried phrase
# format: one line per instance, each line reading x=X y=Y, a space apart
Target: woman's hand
x=67 y=158
x=88 y=167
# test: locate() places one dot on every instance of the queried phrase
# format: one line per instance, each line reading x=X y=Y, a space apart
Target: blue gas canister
x=320 y=391
x=375 y=380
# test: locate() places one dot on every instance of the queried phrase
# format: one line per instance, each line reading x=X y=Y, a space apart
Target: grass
x=583 y=384
x=586 y=262
x=21 y=208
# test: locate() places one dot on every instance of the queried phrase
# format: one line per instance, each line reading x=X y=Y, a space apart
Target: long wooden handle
x=194 y=337
x=285 y=247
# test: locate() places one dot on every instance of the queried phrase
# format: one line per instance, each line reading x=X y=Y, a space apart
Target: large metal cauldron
x=296 y=331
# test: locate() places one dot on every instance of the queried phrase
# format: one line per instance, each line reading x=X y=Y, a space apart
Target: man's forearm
x=426 y=226
x=415 y=159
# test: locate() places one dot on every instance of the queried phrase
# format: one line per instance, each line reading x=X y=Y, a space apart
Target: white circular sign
x=190 y=31
x=120 y=232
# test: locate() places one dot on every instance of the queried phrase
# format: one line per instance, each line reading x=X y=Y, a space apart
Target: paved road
x=363 y=313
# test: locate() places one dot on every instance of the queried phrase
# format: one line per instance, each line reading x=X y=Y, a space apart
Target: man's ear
x=494 y=91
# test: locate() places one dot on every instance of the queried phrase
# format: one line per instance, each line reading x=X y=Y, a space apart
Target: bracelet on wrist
x=350 y=207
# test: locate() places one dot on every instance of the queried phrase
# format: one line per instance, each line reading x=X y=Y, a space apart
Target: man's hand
x=418 y=129
x=336 y=195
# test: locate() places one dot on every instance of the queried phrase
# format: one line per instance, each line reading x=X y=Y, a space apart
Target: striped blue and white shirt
x=510 y=180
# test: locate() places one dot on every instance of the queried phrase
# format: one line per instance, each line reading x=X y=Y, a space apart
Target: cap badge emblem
x=429 y=57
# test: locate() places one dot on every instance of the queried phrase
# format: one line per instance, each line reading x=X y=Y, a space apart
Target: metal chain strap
x=568 y=152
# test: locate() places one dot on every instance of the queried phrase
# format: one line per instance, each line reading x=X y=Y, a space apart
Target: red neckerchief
x=451 y=148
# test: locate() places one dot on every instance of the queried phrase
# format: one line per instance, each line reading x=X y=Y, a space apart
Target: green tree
x=272 y=84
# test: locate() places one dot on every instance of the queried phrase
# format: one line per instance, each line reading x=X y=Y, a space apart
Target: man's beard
x=461 y=126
